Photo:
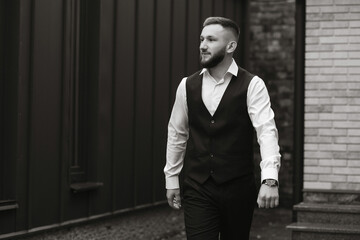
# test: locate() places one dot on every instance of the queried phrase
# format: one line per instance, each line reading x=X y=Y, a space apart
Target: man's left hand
x=268 y=197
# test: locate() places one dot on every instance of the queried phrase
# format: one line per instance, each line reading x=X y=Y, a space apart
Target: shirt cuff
x=172 y=182
x=269 y=173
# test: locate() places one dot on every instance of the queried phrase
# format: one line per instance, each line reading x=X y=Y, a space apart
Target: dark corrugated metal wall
x=86 y=92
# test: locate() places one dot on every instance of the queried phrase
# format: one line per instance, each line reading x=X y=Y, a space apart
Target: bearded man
x=210 y=139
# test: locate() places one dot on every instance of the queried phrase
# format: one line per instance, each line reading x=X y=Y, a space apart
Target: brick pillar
x=271 y=57
x=332 y=96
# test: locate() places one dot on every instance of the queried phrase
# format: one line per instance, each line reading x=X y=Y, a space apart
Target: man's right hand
x=174 y=199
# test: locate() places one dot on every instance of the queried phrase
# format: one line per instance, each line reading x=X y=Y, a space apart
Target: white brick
x=311 y=40
x=311 y=9
x=354 y=132
x=355 y=9
x=346 y=186
x=353 y=116
x=319 y=2
x=317 y=139
x=333 y=132
x=311 y=116
x=347 y=47
x=353 y=93
x=333 y=24
x=317 y=185
x=310 y=147
x=341 y=78
x=339 y=101
x=319 y=155
x=312 y=55
x=312 y=25
x=349 y=78
x=353 y=155
x=320 y=78
x=353 y=147
x=311 y=132
x=312 y=86
x=345 y=124
x=346 y=170
x=346 y=16
x=319 y=32
x=354 y=24
x=311 y=101
x=355 y=179
x=354 y=163
x=354 y=70
x=325 y=94
x=317 y=169
x=334 y=39
x=333 y=55
x=320 y=17
x=311 y=71
x=335 y=9
x=310 y=177
x=340 y=155
x=354 y=101
x=350 y=140
x=333 y=162
x=319 y=48
x=349 y=62
x=334 y=70
x=332 y=147
x=332 y=178
x=348 y=32
x=353 y=39
x=354 y=54
x=333 y=86
x=318 y=124
x=348 y=109
x=345 y=2
x=311 y=162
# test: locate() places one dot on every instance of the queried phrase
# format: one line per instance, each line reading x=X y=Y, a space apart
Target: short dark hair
x=225 y=23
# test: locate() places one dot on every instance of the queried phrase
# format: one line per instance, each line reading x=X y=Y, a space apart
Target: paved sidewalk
x=162 y=223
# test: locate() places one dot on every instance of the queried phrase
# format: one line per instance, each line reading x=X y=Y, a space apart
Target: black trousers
x=212 y=210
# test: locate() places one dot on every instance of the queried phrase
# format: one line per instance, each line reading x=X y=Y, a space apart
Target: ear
x=230 y=48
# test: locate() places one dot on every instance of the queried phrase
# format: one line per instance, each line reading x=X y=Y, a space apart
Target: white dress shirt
x=260 y=112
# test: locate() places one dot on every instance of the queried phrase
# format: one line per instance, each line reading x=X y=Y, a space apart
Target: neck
x=219 y=70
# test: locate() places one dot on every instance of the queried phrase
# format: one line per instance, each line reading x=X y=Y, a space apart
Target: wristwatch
x=270 y=182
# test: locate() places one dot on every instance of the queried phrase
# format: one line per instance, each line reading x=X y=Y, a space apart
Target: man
x=210 y=135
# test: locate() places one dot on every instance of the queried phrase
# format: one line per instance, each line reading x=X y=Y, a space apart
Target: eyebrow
x=208 y=36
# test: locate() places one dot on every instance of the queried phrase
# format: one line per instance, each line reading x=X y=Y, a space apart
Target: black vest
x=220 y=145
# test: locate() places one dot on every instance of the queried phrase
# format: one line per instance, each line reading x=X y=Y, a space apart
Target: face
x=213 y=45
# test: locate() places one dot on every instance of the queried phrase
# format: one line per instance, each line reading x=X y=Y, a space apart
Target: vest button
x=212 y=121
x=211 y=171
x=211 y=155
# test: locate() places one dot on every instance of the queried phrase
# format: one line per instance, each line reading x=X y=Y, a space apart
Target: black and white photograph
x=179 y=119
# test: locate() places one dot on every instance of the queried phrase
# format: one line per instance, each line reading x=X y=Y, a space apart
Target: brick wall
x=271 y=56
x=332 y=95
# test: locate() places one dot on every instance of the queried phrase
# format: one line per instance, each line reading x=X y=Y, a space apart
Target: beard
x=214 y=59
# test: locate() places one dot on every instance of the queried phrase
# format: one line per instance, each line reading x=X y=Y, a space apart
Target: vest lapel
x=223 y=98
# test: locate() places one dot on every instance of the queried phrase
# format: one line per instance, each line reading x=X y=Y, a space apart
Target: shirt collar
x=233 y=69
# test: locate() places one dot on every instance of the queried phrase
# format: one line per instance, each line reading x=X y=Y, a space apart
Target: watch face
x=270 y=182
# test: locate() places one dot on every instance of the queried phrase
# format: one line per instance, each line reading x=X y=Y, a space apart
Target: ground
x=162 y=223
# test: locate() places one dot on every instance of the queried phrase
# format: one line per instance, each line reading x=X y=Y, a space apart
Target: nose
x=203 y=46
